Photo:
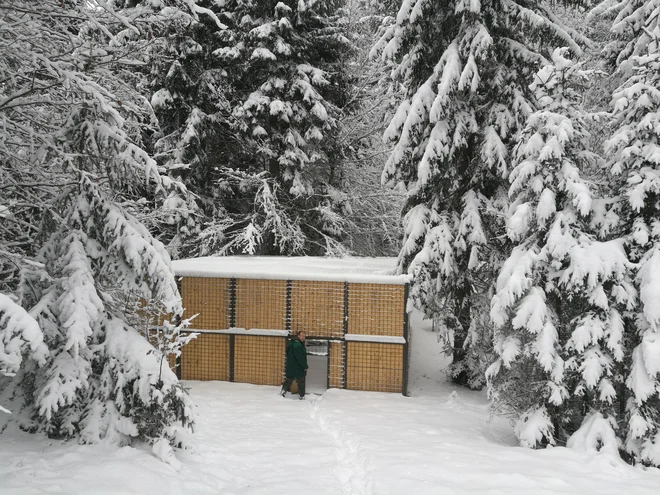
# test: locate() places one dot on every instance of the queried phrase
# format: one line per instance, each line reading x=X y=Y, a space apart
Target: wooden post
x=344 y=343
x=406 y=346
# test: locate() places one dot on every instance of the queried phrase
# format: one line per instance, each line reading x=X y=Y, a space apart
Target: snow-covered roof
x=353 y=269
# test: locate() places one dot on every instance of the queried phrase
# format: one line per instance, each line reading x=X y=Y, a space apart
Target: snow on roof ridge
x=351 y=269
x=387 y=339
x=243 y=331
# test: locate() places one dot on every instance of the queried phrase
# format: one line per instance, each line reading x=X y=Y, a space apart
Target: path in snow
x=353 y=468
x=258 y=442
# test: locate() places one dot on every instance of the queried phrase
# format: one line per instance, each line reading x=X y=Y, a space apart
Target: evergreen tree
x=562 y=294
x=249 y=111
x=634 y=166
x=188 y=91
x=466 y=67
x=72 y=169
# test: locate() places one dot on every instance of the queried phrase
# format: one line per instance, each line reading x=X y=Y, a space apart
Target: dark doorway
x=317 y=360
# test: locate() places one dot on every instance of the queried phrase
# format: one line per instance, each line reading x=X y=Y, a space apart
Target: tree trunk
x=269 y=245
x=274 y=168
x=460 y=334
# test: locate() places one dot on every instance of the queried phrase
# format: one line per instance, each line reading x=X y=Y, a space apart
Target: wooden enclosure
x=244 y=318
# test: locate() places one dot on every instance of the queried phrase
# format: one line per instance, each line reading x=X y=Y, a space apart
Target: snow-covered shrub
x=596 y=434
x=20 y=336
x=102 y=379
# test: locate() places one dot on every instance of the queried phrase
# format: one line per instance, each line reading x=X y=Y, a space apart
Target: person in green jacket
x=296 y=365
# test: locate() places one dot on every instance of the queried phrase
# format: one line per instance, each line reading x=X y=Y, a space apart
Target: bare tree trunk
x=460 y=334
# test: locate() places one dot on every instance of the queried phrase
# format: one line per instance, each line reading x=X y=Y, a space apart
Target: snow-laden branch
x=20 y=335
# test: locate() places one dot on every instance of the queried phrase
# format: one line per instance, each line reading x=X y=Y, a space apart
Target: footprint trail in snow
x=352 y=461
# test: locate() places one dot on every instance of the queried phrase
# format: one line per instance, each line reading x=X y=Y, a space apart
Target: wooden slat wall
x=376 y=309
x=210 y=297
x=336 y=364
x=261 y=304
x=317 y=308
x=259 y=360
x=374 y=366
x=206 y=358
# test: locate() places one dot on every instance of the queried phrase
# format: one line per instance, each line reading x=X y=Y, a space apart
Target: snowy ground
x=251 y=441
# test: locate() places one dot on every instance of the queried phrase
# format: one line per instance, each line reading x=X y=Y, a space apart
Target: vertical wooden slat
x=209 y=298
x=335 y=365
x=317 y=308
x=376 y=309
x=374 y=366
x=261 y=304
x=259 y=359
x=206 y=358
x=406 y=346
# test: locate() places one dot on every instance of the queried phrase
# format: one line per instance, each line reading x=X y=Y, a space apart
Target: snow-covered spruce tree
x=466 y=66
x=562 y=295
x=634 y=148
x=248 y=114
x=188 y=90
x=103 y=379
x=73 y=256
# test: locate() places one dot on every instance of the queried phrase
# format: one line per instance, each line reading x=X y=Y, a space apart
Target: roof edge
x=317 y=277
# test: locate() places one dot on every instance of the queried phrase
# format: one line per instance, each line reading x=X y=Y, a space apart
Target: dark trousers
x=300 y=380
